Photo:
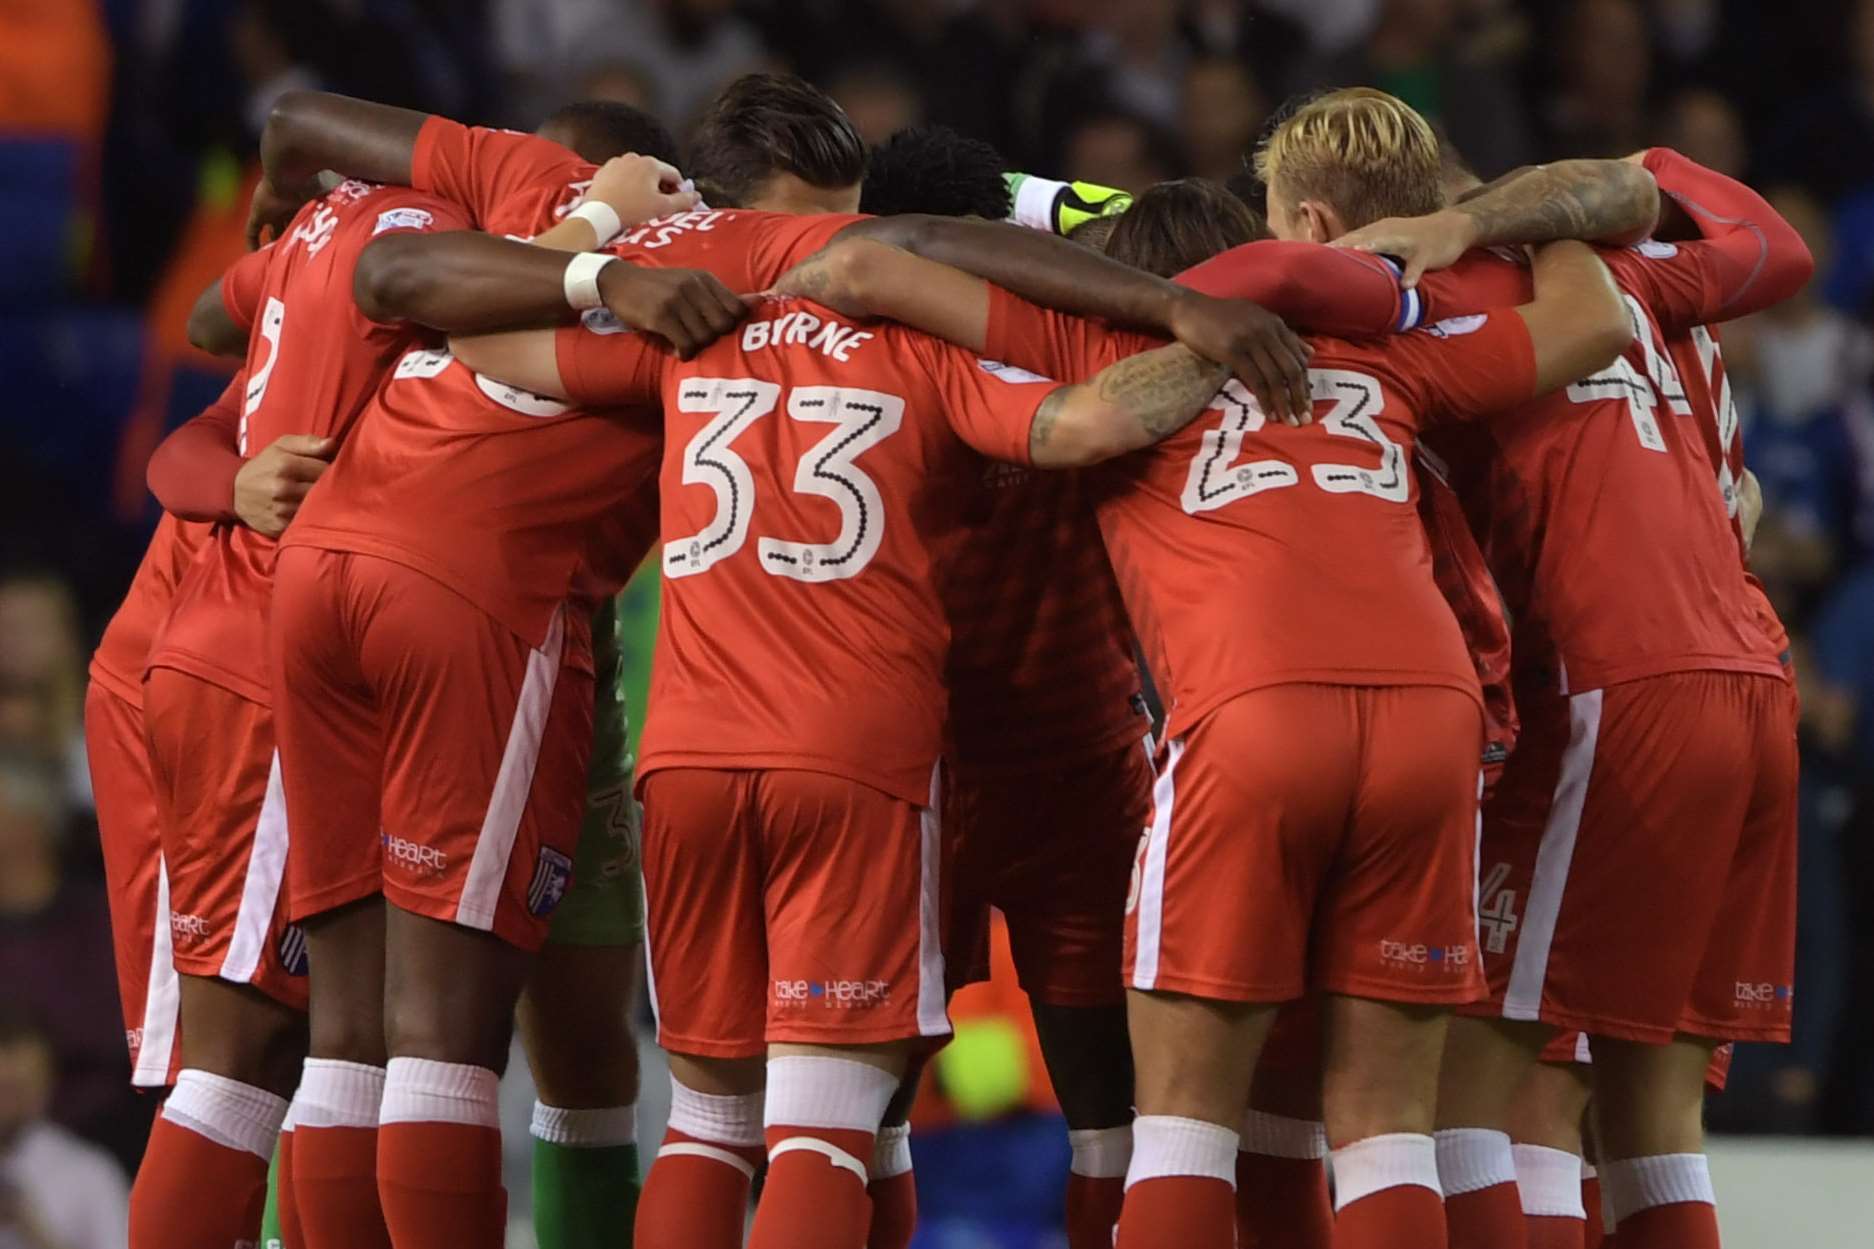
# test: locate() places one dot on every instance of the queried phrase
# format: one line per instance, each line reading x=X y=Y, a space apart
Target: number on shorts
x=861 y=419
x=272 y=319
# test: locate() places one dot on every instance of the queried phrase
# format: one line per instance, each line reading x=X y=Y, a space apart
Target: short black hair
x=1181 y=223
x=934 y=169
x=601 y=129
x=764 y=124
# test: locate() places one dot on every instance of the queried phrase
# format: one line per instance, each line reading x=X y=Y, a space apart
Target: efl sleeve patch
x=402 y=219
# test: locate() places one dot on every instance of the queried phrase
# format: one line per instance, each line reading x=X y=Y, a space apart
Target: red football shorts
x=1572 y=1047
x=1052 y=850
x=789 y=906
x=1314 y=837
x=223 y=820
x=429 y=753
x=1639 y=873
x=131 y=839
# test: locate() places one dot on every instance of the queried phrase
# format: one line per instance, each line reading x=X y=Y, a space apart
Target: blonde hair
x=1365 y=153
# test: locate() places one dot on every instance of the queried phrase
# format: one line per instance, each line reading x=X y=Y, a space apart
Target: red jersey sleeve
x=990 y=405
x=1466 y=367
x=610 y=367
x=1053 y=343
x=242 y=284
x=783 y=241
x=1748 y=258
x=478 y=168
x=1328 y=290
x=192 y=471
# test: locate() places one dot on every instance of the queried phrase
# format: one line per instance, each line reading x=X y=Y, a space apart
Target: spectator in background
x=56 y=1191
x=1119 y=150
x=1599 y=105
x=42 y=681
x=1811 y=430
x=621 y=82
x=56 y=963
x=1223 y=113
x=1418 y=53
x=1825 y=139
x=879 y=95
x=1702 y=124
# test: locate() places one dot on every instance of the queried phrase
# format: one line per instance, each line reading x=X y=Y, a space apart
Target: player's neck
x=785 y=193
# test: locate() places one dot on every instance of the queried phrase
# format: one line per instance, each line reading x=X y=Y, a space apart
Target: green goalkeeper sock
x=270 y=1218
x=585 y=1177
x=1061 y=207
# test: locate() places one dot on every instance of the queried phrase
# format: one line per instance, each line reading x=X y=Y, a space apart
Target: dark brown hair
x=764 y=124
x=1175 y=225
x=601 y=129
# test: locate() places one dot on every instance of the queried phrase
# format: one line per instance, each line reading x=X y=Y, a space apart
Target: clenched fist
x=269 y=488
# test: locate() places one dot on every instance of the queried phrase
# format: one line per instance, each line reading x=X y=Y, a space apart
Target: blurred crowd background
x=128 y=134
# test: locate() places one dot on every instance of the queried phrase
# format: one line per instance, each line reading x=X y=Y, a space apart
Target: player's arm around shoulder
x=865 y=279
x=1578 y=324
x=1130 y=404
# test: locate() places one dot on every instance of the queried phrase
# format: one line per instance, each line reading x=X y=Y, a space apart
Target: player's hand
x=1260 y=349
x=269 y=210
x=641 y=188
x=269 y=488
x=689 y=307
x=1434 y=241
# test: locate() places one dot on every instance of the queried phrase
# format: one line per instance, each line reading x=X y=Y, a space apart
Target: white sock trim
x=231 y=1114
x=600 y=1127
x=335 y=1094
x=1549 y=1181
x=1395 y=1160
x=810 y=1091
x=1635 y=1184
x=290 y=1122
x=814 y=1145
x=726 y=1118
x=1277 y=1136
x=1166 y=1145
x=1473 y=1159
x=692 y=1149
x=422 y=1090
x=891 y=1153
x=1101 y=1153
x=1588 y=1171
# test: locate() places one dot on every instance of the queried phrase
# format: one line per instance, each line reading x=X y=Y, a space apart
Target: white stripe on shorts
x=162 y=999
x=1554 y=856
x=501 y=826
x=260 y=890
x=1152 y=876
x=933 y=1019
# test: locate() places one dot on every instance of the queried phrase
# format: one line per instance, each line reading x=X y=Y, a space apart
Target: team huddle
x=1464 y=848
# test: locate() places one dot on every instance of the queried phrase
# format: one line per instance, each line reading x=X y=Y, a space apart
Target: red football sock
x=290 y=1235
x=1486 y=1218
x=1594 y=1235
x=335 y=1189
x=1681 y=1225
x=439 y=1156
x=814 y=1195
x=193 y=1193
x=1282 y=1203
x=1093 y=1205
x=1550 y=1232
x=893 y=1190
x=1405 y=1216
x=696 y=1194
x=1178 y=1212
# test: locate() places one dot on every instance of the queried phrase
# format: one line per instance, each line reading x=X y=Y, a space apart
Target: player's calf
x=1649 y=1121
x=1089 y=1059
x=696 y=1194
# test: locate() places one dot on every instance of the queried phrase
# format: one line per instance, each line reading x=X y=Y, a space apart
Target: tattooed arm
x=1130 y=404
x=1596 y=201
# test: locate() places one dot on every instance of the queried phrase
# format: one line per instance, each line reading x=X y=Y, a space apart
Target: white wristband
x=582 y=279
x=600 y=216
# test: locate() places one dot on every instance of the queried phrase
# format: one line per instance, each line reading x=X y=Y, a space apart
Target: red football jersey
x=1254 y=555
x=122 y=652
x=812 y=480
x=313 y=362
x=1595 y=505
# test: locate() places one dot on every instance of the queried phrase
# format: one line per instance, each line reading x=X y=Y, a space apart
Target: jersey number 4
x=1217 y=479
x=861 y=419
